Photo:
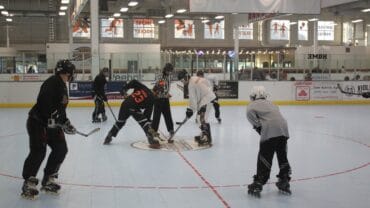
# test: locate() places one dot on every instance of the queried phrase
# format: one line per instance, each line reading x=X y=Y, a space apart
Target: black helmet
x=168 y=68
x=105 y=70
x=65 y=66
x=200 y=73
x=182 y=75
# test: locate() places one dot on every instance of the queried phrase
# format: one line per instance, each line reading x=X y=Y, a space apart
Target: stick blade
x=93 y=131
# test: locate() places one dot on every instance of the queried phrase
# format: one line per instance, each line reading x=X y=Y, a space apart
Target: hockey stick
x=346 y=92
x=81 y=133
x=114 y=116
x=88 y=134
x=177 y=129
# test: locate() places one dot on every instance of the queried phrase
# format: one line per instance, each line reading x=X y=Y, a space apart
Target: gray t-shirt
x=263 y=113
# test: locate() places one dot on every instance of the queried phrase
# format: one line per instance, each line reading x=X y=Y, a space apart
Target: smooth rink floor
x=329 y=151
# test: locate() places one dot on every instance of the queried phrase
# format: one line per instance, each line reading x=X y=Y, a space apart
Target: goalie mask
x=65 y=67
x=258 y=92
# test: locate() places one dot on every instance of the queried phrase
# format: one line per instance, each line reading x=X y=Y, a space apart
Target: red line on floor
x=204 y=180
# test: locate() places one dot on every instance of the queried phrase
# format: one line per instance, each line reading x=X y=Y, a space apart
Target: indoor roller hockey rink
x=329 y=152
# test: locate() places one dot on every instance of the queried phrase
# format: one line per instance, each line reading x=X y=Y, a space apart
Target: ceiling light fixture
x=219 y=17
x=65 y=1
x=63 y=8
x=2 y=7
x=116 y=14
x=293 y=23
x=168 y=16
x=181 y=11
x=366 y=10
x=133 y=3
x=62 y=13
x=205 y=20
x=124 y=9
x=9 y=19
x=111 y=18
x=5 y=13
x=161 y=21
x=357 y=20
x=313 y=19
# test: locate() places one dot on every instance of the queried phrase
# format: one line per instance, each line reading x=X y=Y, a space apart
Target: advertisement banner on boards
x=83 y=90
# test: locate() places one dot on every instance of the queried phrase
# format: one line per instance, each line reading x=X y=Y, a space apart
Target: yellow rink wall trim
x=222 y=102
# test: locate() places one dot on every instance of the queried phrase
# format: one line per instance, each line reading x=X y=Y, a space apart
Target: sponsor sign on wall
x=83 y=90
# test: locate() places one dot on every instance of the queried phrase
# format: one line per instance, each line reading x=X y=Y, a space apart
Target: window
x=184 y=29
x=246 y=32
x=145 y=28
x=279 y=29
x=325 y=30
x=302 y=30
x=111 y=28
x=214 y=30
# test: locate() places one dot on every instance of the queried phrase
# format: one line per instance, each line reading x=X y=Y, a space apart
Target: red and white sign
x=302 y=93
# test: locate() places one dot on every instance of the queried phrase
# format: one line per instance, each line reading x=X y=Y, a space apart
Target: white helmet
x=258 y=92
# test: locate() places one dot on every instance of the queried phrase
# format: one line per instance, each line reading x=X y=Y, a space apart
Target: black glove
x=105 y=98
x=68 y=128
x=258 y=129
x=189 y=112
x=366 y=94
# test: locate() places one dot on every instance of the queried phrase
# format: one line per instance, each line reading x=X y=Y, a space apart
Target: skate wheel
x=254 y=194
x=284 y=192
x=29 y=197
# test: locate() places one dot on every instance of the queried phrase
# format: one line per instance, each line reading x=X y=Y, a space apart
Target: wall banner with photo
x=81 y=28
x=184 y=29
x=279 y=29
x=302 y=30
x=214 y=30
x=111 y=28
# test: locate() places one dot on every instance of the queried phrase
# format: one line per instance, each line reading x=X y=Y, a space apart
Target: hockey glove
x=258 y=129
x=105 y=98
x=189 y=112
x=68 y=128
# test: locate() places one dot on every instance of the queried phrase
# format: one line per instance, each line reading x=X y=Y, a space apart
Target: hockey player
x=200 y=98
x=267 y=120
x=46 y=124
x=138 y=104
x=99 y=95
x=162 y=101
x=214 y=86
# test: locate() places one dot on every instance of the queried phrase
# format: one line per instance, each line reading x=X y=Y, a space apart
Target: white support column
x=315 y=43
x=95 y=56
x=236 y=50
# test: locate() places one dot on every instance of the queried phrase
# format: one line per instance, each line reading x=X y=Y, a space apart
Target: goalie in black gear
x=138 y=104
x=200 y=100
x=46 y=124
x=267 y=120
x=99 y=95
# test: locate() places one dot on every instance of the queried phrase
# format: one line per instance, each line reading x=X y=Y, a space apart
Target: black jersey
x=51 y=101
x=98 y=85
x=142 y=97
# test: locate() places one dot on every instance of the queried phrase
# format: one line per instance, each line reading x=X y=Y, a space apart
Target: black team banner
x=226 y=90
x=83 y=90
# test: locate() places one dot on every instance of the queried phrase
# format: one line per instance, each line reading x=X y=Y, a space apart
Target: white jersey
x=200 y=93
x=212 y=78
